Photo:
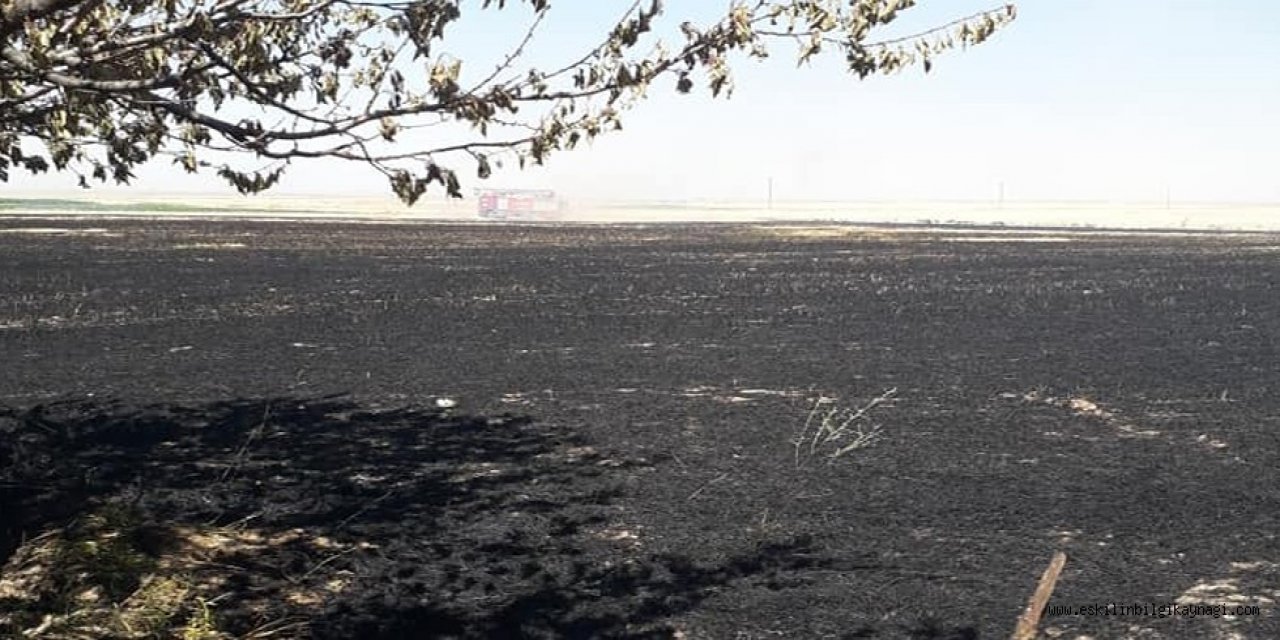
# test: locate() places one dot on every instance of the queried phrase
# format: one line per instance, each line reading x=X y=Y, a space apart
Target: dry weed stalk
x=837 y=430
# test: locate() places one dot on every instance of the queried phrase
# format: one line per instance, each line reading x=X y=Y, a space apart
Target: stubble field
x=232 y=428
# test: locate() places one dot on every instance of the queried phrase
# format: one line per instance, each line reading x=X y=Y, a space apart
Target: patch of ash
x=1125 y=428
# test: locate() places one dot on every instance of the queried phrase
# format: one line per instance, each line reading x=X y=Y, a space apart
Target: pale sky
x=1112 y=100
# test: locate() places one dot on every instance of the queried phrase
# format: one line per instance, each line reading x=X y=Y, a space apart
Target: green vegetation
x=82 y=206
x=104 y=575
x=55 y=204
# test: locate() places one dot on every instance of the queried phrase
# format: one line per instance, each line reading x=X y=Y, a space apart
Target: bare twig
x=244 y=448
x=361 y=511
x=720 y=478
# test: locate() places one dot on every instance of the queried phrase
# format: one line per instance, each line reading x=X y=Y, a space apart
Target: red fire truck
x=518 y=204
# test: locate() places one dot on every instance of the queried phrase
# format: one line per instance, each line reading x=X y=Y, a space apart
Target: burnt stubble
x=619 y=462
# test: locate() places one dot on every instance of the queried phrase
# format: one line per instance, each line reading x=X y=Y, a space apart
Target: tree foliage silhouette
x=100 y=87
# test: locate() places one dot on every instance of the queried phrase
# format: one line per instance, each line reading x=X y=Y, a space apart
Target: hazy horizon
x=125 y=194
x=1017 y=214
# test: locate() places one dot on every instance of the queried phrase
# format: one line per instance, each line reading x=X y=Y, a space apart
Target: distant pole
x=1168 y=197
x=770 y=192
x=1000 y=196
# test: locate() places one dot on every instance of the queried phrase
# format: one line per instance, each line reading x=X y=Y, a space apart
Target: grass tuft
x=100 y=577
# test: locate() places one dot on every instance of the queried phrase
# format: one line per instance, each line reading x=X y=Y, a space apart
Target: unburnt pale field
x=218 y=429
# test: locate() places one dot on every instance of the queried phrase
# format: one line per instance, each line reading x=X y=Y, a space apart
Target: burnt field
x=242 y=429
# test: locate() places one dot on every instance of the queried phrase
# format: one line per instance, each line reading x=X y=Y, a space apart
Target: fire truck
x=518 y=204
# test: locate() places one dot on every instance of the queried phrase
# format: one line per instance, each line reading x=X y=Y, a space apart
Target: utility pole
x=1000 y=196
x=770 y=192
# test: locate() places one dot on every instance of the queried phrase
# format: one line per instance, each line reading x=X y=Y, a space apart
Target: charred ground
x=249 y=407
